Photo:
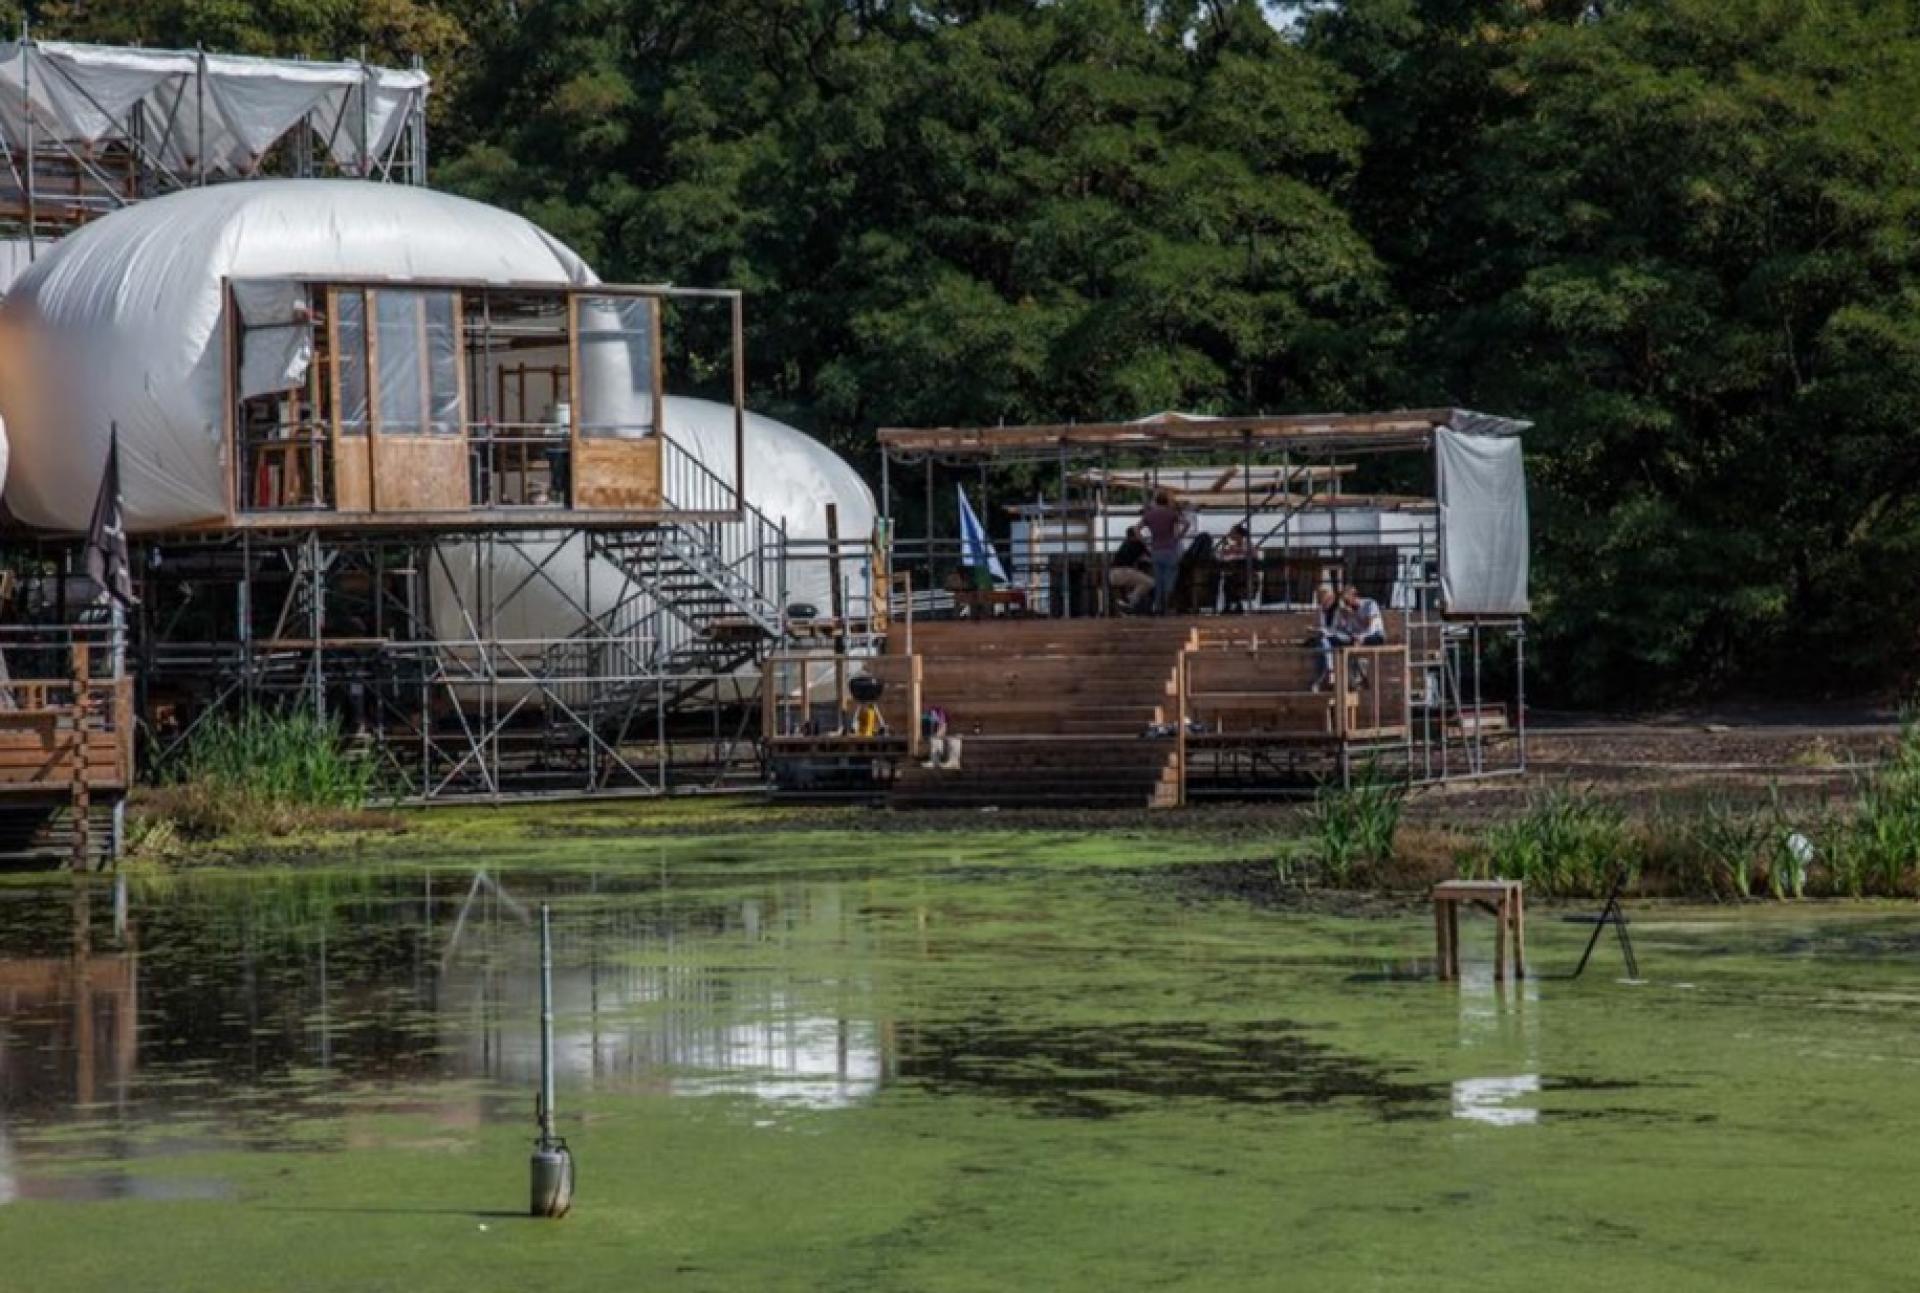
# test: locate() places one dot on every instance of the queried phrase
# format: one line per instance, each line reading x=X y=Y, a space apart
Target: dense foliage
x=1683 y=235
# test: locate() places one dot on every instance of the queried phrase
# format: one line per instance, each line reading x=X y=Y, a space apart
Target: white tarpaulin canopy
x=120 y=324
x=1483 y=518
x=217 y=113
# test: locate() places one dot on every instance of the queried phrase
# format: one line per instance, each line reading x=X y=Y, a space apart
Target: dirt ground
x=1739 y=755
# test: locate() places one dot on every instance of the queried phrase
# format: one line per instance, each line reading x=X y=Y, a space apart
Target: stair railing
x=741 y=540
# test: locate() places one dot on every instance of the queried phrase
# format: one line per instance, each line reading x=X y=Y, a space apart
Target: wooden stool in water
x=1504 y=899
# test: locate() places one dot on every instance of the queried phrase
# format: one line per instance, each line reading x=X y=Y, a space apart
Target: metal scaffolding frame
x=387 y=633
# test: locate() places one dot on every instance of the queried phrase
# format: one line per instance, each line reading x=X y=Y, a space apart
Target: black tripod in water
x=1616 y=915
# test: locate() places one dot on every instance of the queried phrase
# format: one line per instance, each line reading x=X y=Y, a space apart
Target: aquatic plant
x=1355 y=823
x=1877 y=848
x=1567 y=841
x=1732 y=844
x=264 y=771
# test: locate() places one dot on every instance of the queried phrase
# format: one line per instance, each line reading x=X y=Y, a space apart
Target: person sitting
x=1233 y=554
x=1360 y=617
x=1127 y=574
x=943 y=751
x=1356 y=622
x=1166 y=525
x=1326 y=623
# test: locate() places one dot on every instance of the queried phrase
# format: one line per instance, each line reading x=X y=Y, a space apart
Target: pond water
x=875 y=1065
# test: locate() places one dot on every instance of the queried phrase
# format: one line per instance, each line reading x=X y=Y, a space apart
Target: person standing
x=1235 y=557
x=1166 y=525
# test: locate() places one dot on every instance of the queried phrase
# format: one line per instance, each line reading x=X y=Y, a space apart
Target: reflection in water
x=83 y=1007
x=1496 y=1016
x=1491 y=1100
x=236 y=1004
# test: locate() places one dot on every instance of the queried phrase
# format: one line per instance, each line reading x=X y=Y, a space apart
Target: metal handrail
x=752 y=548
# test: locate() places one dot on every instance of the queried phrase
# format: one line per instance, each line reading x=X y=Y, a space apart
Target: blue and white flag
x=975 y=550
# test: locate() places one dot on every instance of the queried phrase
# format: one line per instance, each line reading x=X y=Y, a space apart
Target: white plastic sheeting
x=217 y=113
x=120 y=323
x=16 y=257
x=1483 y=523
x=790 y=476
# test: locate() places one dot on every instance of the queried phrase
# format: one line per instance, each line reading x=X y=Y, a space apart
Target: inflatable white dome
x=118 y=324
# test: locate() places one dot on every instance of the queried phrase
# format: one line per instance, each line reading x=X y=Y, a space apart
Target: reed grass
x=265 y=772
x=1354 y=825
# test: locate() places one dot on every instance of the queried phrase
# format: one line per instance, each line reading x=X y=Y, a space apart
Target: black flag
x=107 y=563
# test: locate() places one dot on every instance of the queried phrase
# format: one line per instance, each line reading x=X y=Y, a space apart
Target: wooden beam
x=1402 y=429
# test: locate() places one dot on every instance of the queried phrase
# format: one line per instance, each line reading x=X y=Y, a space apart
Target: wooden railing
x=1253 y=692
x=807 y=701
x=67 y=738
x=1378 y=707
x=53 y=731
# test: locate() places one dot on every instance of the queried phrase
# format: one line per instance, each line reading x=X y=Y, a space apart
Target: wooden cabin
x=425 y=403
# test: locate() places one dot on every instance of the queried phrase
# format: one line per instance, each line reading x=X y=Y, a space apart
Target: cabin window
x=350 y=325
x=416 y=346
x=520 y=401
x=280 y=380
x=512 y=382
x=613 y=336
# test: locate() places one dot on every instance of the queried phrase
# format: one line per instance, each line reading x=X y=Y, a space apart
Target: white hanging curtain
x=276 y=347
x=1483 y=523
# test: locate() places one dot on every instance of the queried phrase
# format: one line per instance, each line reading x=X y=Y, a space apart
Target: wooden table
x=1505 y=899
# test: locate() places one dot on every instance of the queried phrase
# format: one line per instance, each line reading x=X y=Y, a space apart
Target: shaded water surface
x=194 y=1040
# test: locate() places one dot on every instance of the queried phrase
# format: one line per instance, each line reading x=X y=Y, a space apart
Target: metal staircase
x=707 y=595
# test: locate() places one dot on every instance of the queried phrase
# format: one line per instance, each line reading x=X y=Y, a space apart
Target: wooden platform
x=66 y=757
x=1050 y=712
x=1089 y=713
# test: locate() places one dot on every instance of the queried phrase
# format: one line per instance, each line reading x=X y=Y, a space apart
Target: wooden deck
x=1098 y=712
x=1122 y=712
x=66 y=750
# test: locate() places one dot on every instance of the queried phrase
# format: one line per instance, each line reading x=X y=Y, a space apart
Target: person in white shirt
x=1360 y=618
x=1357 y=621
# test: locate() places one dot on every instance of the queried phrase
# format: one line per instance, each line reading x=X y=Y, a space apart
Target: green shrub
x=1355 y=824
x=1565 y=842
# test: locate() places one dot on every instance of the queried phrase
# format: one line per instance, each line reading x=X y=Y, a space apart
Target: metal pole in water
x=552 y=1166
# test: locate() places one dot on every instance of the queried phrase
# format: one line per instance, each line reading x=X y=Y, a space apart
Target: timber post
x=78 y=798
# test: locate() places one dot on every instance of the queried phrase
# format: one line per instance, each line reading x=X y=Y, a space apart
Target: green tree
x=1681 y=235
x=960 y=212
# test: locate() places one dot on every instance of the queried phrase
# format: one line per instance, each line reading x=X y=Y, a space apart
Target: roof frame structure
x=1345 y=433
